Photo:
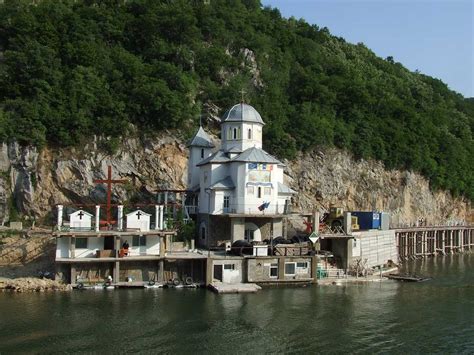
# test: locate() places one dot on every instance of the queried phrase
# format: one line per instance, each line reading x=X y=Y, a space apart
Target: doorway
x=218 y=272
x=109 y=243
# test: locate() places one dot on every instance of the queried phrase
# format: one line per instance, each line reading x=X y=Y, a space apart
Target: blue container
x=367 y=220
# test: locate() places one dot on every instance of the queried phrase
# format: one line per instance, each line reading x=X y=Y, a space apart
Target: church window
x=226 y=203
x=259 y=192
x=81 y=243
x=203 y=232
x=267 y=191
x=250 y=190
x=235 y=133
x=249 y=134
x=202 y=153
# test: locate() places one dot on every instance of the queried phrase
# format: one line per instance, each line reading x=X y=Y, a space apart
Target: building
x=80 y=220
x=138 y=220
x=240 y=188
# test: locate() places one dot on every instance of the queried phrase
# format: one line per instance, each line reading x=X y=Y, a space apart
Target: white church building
x=240 y=189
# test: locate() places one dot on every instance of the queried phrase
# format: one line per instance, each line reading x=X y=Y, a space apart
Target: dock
x=219 y=287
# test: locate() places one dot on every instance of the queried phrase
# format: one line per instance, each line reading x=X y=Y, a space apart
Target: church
x=239 y=189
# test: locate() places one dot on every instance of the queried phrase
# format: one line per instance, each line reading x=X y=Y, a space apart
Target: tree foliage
x=69 y=69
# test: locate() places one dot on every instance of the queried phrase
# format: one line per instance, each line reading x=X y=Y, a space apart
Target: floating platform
x=407 y=278
x=219 y=287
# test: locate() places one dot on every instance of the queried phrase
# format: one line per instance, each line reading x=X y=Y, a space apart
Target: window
x=267 y=190
x=249 y=134
x=259 y=192
x=249 y=235
x=235 y=133
x=203 y=232
x=202 y=153
x=274 y=271
x=81 y=243
x=250 y=190
x=229 y=134
x=290 y=269
x=229 y=267
x=302 y=267
x=226 y=203
x=138 y=241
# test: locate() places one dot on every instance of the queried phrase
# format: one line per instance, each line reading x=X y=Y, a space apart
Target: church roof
x=283 y=189
x=79 y=211
x=256 y=155
x=224 y=184
x=217 y=157
x=242 y=113
x=135 y=212
x=201 y=139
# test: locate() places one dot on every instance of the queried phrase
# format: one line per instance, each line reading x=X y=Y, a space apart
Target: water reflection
x=434 y=316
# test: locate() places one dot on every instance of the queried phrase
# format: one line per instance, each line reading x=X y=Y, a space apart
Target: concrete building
x=138 y=220
x=80 y=220
x=240 y=189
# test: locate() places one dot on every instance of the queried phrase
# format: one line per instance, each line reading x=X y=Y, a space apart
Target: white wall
x=194 y=159
x=243 y=142
x=62 y=247
x=376 y=246
x=152 y=246
x=93 y=244
x=143 y=224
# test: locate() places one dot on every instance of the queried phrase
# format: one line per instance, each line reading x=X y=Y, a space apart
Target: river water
x=436 y=316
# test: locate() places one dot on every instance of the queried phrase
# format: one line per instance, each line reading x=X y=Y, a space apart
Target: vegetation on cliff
x=69 y=69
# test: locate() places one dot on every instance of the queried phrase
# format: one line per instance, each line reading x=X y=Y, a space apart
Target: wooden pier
x=419 y=242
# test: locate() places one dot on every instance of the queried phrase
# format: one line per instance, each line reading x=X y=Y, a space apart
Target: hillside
x=70 y=69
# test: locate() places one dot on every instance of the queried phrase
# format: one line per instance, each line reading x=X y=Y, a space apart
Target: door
x=218 y=272
x=109 y=243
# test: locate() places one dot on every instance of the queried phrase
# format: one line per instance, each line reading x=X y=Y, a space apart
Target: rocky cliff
x=32 y=181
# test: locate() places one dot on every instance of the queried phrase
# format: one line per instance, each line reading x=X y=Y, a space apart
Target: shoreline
x=32 y=284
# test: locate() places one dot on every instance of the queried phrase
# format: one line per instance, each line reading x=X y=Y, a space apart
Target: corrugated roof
x=224 y=184
x=201 y=139
x=242 y=112
x=283 y=189
x=256 y=155
x=216 y=158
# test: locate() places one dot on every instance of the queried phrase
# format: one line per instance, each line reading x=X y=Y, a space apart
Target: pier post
x=161 y=271
x=73 y=247
x=281 y=268
x=116 y=272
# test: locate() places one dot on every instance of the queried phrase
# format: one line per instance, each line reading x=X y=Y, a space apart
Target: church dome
x=242 y=113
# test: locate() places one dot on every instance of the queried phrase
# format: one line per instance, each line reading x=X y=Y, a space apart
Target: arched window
x=249 y=134
x=235 y=133
x=202 y=153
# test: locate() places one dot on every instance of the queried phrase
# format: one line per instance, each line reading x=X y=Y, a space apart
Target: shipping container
x=367 y=220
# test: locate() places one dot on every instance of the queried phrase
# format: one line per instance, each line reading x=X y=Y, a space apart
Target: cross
x=242 y=92
x=80 y=214
x=109 y=183
x=139 y=214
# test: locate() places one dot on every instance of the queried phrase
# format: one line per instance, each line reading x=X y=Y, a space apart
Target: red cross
x=109 y=183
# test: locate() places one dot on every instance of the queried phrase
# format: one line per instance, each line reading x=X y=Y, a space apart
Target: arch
x=249 y=133
x=252 y=232
x=235 y=133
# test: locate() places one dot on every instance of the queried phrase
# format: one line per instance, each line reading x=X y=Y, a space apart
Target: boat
x=407 y=277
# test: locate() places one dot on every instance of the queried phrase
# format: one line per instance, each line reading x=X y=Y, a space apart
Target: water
x=430 y=317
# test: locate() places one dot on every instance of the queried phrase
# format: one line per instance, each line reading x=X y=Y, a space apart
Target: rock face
x=33 y=182
x=333 y=177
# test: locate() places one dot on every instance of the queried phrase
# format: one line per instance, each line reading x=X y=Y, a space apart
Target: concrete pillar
x=315 y=221
x=97 y=218
x=162 y=213
x=120 y=217
x=347 y=223
x=73 y=247
x=60 y=217
x=162 y=246
x=237 y=229
x=281 y=268
x=116 y=272
x=157 y=217
x=209 y=271
x=161 y=271
x=73 y=275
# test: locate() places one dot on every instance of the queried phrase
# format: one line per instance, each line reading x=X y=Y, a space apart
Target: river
x=436 y=316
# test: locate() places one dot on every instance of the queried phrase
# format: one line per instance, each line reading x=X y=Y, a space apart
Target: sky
x=434 y=36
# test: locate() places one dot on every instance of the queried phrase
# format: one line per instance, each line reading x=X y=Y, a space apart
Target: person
x=125 y=245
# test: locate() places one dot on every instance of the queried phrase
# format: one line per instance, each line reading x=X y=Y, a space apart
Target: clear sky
x=433 y=36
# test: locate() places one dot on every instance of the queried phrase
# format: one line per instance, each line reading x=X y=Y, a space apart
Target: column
x=347 y=223
x=60 y=217
x=97 y=218
x=157 y=217
x=315 y=222
x=120 y=217
x=162 y=217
